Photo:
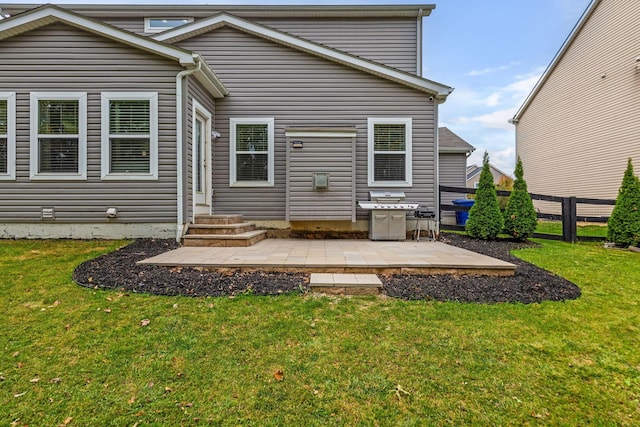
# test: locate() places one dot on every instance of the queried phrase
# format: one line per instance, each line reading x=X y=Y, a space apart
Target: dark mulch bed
x=118 y=270
x=529 y=284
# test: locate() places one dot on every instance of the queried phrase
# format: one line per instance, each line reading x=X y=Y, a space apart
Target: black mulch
x=529 y=284
x=118 y=270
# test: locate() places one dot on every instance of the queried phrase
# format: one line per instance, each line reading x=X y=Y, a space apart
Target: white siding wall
x=576 y=136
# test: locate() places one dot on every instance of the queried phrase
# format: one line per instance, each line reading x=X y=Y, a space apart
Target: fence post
x=569 y=220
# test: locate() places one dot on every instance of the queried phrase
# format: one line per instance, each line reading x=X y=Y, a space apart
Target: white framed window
x=251 y=152
x=389 y=152
x=58 y=135
x=157 y=25
x=129 y=143
x=7 y=136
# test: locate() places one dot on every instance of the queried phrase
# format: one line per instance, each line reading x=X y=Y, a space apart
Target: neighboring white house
x=581 y=122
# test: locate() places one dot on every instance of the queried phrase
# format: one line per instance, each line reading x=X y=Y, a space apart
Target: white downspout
x=179 y=142
x=436 y=105
x=419 y=30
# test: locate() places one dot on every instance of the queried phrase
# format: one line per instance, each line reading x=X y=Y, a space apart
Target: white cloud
x=498 y=119
x=474 y=73
x=493 y=100
x=480 y=115
x=523 y=85
x=502 y=157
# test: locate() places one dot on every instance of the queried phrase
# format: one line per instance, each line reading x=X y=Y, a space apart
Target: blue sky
x=492 y=52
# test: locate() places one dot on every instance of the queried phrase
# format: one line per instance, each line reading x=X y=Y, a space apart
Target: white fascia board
x=209 y=80
x=49 y=14
x=247 y=10
x=556 y=59
x=199 y=27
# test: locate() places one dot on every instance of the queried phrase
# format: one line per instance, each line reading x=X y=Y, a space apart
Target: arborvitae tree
x=520 y=218
x=485 y=219
x=624 y=223
x=505 y=184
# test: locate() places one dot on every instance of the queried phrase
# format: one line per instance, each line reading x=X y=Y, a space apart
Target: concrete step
x=247 y=238
x=219 y=219
x=224 y=229
x=345 y=284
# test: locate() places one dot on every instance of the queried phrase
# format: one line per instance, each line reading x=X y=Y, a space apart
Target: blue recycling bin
x=463 y=216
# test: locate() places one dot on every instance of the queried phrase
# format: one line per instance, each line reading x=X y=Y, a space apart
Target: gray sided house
x=127 y=121
x=454 y=152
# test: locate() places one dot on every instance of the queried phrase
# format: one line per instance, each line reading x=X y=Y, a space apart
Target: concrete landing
x=345 y=284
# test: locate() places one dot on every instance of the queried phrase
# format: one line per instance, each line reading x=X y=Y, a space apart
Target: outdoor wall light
x=112 y=212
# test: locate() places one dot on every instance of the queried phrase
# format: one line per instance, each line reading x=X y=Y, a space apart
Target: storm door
x=202 y=162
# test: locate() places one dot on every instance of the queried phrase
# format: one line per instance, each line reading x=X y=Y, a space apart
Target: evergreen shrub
x=624 y=223
x=485 y=219
x=520 y=218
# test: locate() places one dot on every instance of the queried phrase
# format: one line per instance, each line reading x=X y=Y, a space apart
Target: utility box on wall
x=320 y=181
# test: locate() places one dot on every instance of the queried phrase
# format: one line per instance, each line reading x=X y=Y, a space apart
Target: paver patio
x=338 y=256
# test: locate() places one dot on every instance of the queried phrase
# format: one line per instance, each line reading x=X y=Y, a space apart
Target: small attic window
x=156 y=25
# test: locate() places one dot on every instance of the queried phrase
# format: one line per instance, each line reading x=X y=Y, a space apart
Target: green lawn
x=555 y=227
x=76 y=356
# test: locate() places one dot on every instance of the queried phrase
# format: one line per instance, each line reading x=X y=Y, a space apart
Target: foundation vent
x=48 y=214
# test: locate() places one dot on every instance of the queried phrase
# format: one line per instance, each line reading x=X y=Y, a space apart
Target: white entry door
x=201 y=161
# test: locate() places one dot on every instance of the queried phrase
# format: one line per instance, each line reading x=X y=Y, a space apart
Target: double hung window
x=389 y=152
x=251 y=152
x=58 y=135
x=129 y=135
x=7 y=135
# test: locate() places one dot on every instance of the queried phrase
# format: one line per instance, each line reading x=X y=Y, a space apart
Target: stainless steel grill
x=387 y=214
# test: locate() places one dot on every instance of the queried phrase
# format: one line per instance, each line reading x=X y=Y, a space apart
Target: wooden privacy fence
x=568 y=216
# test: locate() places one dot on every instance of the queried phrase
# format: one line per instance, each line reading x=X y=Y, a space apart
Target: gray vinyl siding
x=197 y=92
x=61 y=58
x=331 y=155
x=389 y=41
x=453 y=170
x=265 y=79
x=134 y=24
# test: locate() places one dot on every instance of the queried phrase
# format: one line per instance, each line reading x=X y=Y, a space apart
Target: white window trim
x=149 y=29
x=408 y=125
x=105 y=144
x=10 y=97
x=81 y=97
x=269 y=121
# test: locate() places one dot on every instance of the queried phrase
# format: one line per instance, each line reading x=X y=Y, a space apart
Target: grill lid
x=386 y=196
